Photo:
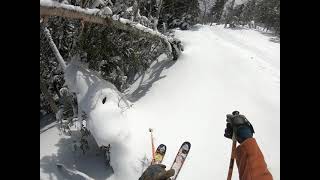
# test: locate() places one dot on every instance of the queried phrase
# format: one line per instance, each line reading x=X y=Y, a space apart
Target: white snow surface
x=220 y=70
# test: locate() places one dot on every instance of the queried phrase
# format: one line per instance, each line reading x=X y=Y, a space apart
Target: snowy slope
x=221 y=70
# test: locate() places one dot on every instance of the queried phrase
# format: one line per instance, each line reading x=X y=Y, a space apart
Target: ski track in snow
x=221 y=70
x=261 y=52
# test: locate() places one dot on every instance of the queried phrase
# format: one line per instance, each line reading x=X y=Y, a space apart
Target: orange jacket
x=250 y=161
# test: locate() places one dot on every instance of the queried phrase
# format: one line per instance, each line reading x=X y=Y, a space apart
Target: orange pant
x=250 y=161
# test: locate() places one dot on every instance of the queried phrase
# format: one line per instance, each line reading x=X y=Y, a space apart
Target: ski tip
x=187 y=142
x=162 y=147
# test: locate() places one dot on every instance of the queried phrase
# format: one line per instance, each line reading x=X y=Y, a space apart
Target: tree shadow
x=90 y=163
x=146 y=84
x=195 y=28
x=273 y=37
x=42 y=130
x=269 y=34
x=46 y=120
x=238 y=28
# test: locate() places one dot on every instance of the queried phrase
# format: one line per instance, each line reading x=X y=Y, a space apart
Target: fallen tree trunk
x=93 y=16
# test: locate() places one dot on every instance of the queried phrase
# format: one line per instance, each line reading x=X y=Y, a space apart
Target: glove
x=157 y=172
x=238 y=123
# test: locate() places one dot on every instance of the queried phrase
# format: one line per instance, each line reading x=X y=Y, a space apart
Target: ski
x=159 y=154
x=180 y=158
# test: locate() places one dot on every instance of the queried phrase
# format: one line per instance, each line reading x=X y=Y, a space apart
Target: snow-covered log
x=51 y=8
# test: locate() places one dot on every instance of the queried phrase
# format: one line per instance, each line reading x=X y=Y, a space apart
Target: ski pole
x=234 y=143
x=233 y=149
x=152 y=146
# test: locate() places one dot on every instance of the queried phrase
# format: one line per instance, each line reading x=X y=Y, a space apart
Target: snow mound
x=104 y=107
x=100 y=101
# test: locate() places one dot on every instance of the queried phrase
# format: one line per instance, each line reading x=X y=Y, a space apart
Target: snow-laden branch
x=52 y=8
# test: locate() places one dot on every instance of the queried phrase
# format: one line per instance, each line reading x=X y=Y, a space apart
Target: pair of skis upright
x=181 y=156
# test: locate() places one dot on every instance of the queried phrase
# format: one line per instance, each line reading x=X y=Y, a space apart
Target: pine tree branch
x=46 y=94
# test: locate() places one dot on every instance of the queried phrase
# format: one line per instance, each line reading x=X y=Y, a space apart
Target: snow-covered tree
x=180 y=13
x=205 y=6
x=248 y=13
x=217 y=10
x=268 y=13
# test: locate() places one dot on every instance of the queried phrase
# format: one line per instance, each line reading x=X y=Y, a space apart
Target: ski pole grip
x=235 y=113
x=230 y=117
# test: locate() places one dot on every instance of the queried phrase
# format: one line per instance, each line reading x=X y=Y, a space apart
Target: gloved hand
x=157 y=172
x=238 y=123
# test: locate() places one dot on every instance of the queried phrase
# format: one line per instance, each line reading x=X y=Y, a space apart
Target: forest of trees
x=120 y=55
x=265 y=13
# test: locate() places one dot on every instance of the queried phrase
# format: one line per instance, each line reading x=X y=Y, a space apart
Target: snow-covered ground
x=221 y=70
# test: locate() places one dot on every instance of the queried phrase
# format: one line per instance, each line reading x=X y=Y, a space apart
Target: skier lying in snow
x=250 y=160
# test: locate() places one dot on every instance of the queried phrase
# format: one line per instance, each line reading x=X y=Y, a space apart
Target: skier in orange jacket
x=249 y=158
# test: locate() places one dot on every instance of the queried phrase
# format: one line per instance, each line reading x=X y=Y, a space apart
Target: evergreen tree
x=268 y=13
x=217 y=10
x=248 y=11
x=178 y=13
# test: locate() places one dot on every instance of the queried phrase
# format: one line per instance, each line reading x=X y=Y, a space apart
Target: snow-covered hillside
x=220 y=70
